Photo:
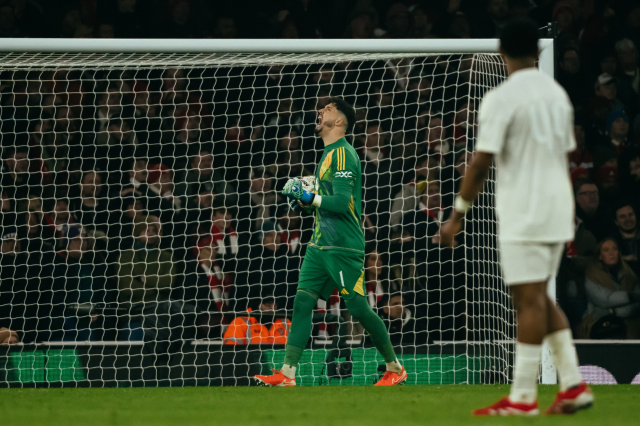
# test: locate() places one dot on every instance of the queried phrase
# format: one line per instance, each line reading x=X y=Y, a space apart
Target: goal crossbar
x=416 y=46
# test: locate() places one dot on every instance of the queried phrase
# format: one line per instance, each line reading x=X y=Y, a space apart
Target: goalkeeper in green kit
x=335 y=256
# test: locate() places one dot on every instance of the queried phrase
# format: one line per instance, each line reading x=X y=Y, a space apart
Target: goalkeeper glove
x=294 y=192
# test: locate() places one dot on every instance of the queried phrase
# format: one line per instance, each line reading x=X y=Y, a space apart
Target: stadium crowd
x=145 y=204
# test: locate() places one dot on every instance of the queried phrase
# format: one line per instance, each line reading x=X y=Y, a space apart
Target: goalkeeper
x=335 y=256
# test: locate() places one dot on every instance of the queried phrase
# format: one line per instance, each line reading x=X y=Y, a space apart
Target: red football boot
x=276 y=379
x=572 y=400
x=391 y=379
x=505 y=407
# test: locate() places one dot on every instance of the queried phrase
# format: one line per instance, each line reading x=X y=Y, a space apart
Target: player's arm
x=472 y=183
x=493 y=123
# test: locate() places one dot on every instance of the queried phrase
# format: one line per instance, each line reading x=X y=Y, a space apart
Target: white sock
x=289 y=371
x=565 y=358
x=394 y=366
x=525 y=373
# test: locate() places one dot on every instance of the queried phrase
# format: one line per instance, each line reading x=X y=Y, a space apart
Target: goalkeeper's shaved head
x=346 y=109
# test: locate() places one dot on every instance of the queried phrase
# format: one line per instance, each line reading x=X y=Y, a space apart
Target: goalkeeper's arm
x=339 y=201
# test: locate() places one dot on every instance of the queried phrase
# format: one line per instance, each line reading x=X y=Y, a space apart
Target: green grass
x=319 y=405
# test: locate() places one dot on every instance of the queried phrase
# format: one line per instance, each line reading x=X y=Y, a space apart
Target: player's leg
x=314 y=282
x=347 y=271
x=360 y=310
x=574 y=394
x=530 y=303
x=526 y=269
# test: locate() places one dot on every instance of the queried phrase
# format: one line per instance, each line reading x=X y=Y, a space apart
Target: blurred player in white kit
x=526 y=125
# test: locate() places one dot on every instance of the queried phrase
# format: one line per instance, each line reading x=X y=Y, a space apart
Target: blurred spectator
x=209 y=272
x=168 y=206
x=572 y=77
x=203 y=174
x=571 y=292
x=128 y=20
x=408 y=197
x=419 y=228
x=607 y=181
x=225 y=27
x=435 y=137
x=135 y=184
x=8 y=337
x=267 y=274
x=29 y=18
x=607 y=86
x=109 y=107
x=589 y=209
x=598 y=110
x=120 y=232
x=289 y=228
x=225 y=237
x=565 y=15
x=106 y=30
x=628 y=236
x=498 y=11
x=613 y=291
x=375 y=283
x=258 y=203
x=629 y=167
x=72 y=287
x=581 y=157
x=403 y=328
x=618 y=130
x=362 y=24
x=146 y=276
x=58 y=218
x=14 y=309
x=91 y=208
x=146 y=272
x=398 y=21
x=421 y=22
x=376 y=172
x=252 y=328
x=629 y=75
x=180 y=23
x=17 y=179
x=71 y=21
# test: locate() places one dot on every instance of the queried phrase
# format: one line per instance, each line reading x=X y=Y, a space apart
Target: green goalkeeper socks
x=301 y=327
x=362 y=312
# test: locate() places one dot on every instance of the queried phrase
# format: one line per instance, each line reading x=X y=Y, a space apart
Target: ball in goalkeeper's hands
x=294 y=189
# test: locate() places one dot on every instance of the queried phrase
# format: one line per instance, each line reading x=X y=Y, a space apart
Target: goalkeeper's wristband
x=316 y=201
x=461 y=205
x=307 y=197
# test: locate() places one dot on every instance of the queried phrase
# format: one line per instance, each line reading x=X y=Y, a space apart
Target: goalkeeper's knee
x=359 y=307
x=304 y=302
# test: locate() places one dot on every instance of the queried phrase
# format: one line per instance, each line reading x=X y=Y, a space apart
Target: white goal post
x=191 y=83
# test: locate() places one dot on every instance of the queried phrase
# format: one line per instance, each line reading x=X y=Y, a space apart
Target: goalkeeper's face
x=328 y=118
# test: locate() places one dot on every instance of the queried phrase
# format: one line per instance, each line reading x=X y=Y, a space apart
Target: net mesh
x=145 y=240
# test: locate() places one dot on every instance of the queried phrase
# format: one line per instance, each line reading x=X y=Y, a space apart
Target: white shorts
x=529 y=262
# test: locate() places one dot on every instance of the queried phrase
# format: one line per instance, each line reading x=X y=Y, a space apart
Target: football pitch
x=317 y=405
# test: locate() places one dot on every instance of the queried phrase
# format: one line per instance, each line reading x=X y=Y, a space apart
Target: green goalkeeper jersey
x=339 y=182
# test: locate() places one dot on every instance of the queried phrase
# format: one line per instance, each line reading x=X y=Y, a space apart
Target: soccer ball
x=308 y=183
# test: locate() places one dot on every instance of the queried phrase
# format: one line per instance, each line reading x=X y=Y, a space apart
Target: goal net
x=145 y=240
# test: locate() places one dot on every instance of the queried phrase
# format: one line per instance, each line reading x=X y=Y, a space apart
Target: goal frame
x=417 y=47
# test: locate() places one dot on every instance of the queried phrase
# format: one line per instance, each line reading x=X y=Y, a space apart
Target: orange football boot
x=276 y=379
x=391 y=379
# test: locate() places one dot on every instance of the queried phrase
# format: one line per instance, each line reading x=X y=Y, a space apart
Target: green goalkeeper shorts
x=325 y=270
